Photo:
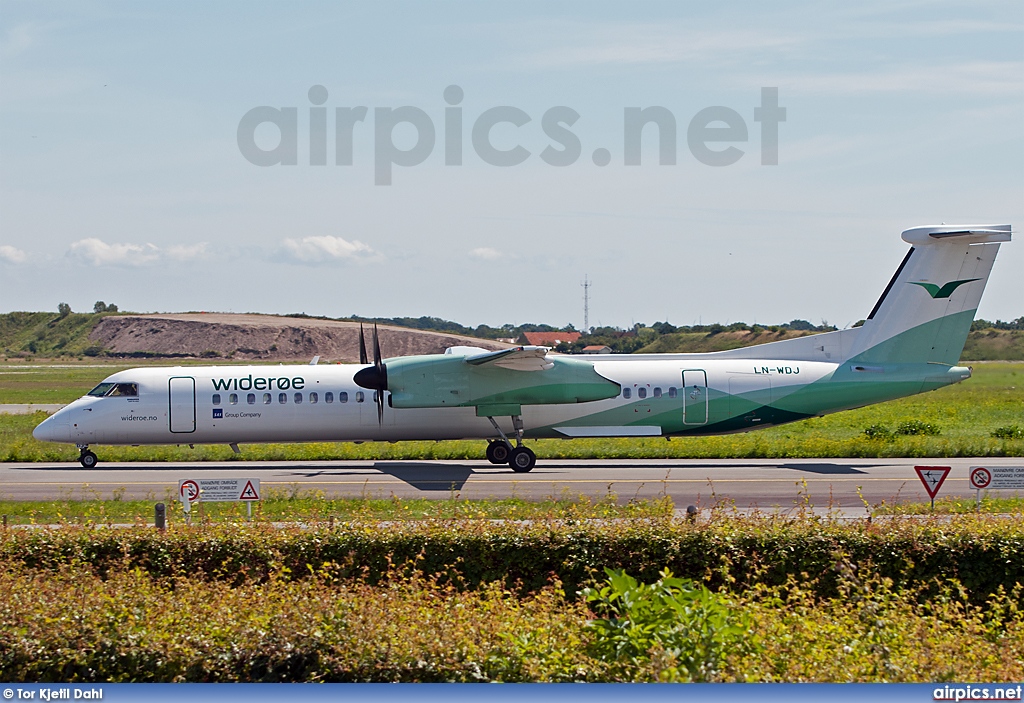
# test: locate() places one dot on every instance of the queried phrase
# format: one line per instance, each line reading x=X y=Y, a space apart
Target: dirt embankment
x=264 y=337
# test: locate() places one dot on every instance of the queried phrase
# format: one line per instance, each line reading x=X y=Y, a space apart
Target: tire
x=88 y=459
x=522 y=459
x=497 y=452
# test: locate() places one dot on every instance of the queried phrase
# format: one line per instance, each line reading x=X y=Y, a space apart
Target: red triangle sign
x=932 y=477
x=249 y=493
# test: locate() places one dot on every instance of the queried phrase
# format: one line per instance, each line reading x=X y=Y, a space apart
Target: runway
x=764 y=484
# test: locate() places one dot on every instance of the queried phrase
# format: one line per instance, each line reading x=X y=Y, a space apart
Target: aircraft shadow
x=427 y=476
x=835 y=469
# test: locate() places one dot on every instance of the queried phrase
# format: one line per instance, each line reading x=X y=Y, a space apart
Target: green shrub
x=1008 y=432
x=984 y=554
x=879 y=433
x=682 y=628
x=916 y=427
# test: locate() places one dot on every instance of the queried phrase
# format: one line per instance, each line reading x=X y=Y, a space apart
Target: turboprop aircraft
x=909 y=343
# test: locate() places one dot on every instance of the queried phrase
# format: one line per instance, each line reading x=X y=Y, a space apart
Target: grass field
x=966 y=415
x=313 y=507
x=62 y=382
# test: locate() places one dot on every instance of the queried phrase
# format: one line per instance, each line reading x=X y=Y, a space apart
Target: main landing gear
x=501 y=451
x=86 y=458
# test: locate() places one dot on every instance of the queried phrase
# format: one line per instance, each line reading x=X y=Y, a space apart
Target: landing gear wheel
x=497 y=452
x=522 y=459
x=88 y=459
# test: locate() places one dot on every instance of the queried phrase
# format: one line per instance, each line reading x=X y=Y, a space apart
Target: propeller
x=373 y=377
x=362 y=346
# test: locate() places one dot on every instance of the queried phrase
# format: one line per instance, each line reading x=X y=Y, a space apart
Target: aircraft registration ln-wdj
x=910 y=343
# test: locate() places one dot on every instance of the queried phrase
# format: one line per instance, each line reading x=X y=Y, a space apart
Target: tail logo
x=945 y=291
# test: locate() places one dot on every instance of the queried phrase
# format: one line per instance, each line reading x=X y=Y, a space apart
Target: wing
x=516 y=359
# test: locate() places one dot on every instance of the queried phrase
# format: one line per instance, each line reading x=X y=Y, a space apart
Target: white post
x=186 y=505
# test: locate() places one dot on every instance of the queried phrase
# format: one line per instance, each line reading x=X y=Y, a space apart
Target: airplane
x=909 y=343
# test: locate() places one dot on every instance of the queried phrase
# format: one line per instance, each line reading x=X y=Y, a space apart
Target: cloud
x=17 y=39
x=972 y=78
x=187 y=252
x=316 y=250
x=12 y=255
x=487 y=254
x=99 y=253
x=637 y=44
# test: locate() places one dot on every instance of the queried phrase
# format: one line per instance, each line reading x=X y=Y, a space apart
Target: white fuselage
x=304 y=403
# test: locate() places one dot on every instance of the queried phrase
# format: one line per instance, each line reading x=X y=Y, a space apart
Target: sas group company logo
x=218 y=413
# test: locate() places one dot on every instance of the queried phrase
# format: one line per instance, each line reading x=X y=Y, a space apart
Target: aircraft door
x=182 y=396
x=695 y=397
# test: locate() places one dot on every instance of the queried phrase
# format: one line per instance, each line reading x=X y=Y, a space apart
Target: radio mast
x=586 y=304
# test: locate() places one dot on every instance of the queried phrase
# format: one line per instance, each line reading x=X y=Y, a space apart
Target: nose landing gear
x=87 y=458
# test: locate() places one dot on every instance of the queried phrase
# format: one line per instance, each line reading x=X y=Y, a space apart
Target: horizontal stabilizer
x=973 y=234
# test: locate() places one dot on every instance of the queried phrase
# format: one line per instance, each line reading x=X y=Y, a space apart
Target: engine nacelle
x=447 y=380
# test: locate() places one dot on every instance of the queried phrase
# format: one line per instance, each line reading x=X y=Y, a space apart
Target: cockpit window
x=124 y=390
x=110 y=390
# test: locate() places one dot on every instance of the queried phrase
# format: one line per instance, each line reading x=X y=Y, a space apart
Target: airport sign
x=218 y=490
x=997 y=477
x=932 y=478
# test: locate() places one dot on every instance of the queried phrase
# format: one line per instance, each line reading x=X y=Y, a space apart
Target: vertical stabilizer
x=926 y=311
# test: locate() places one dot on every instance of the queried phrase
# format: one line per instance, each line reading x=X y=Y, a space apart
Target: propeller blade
x=376 y=348
x=362 y=346
x=382 y=377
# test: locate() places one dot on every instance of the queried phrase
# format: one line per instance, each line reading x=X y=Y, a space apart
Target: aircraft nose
x=53 y=429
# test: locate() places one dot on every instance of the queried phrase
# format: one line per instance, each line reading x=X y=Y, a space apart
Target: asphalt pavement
x=761 y=484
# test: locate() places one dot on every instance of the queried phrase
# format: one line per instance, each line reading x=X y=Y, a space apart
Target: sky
x=494 y=166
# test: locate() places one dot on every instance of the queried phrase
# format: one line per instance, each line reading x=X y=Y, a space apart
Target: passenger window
x=626 y=393
x=298 y=399
x=266 y=398
x=329 y=397
x=251 y=399
x=672 y=392
x=282 y=398
x=216 y=398
x=641 y=392
x=342 y=396
x=313 y=397
x=233 y=399
x=657 y=392
x=359 y=396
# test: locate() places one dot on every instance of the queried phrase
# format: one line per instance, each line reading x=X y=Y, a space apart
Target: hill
x=703 y=342
x=210 y=335
x=290 y=338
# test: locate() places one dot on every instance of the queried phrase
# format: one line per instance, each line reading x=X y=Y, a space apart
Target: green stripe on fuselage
x=896 y=368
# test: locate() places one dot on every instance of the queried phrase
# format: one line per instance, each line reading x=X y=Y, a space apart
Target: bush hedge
x=984 y=554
